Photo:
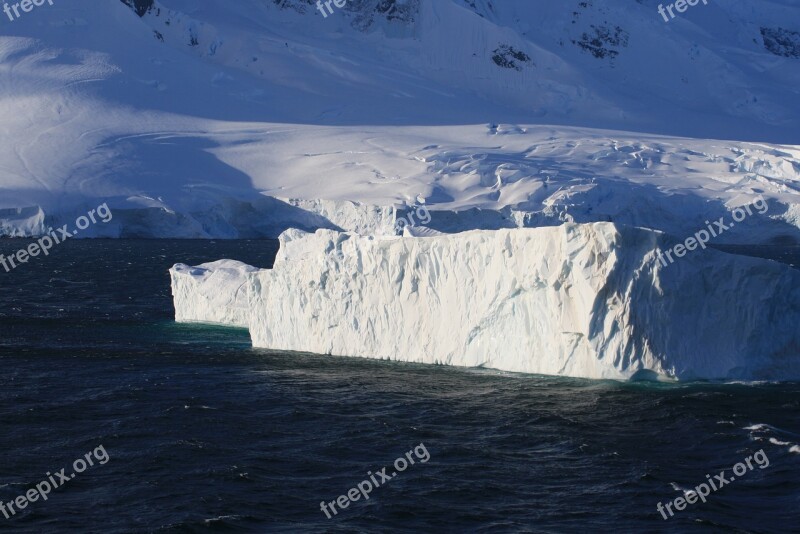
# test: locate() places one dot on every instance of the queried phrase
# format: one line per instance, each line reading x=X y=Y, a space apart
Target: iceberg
x=579 y=300
x=211 y=293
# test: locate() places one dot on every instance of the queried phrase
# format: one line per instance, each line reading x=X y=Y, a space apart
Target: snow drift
x=582 y=300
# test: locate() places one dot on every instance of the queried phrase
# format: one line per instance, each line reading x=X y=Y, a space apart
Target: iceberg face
x=581 y=300
x=22 y=222
x=212 y=293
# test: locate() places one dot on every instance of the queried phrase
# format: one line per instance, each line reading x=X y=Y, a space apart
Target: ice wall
x=582 y=300
x=212 y=293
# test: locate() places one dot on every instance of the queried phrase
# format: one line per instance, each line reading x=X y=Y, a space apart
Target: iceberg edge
x=579 y=300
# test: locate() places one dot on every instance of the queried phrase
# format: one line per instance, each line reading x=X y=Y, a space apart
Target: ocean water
x=191 y=430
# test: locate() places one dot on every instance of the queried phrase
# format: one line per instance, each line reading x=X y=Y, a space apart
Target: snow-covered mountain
x=239 y=119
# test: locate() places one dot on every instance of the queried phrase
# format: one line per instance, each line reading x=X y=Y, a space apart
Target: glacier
x=241 y=121
x=581 y=300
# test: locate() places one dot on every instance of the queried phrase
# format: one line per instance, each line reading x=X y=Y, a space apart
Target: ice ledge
x=581 y=300
x=211 y=293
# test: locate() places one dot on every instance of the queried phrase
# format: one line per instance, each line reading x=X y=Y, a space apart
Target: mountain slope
x=189 y=119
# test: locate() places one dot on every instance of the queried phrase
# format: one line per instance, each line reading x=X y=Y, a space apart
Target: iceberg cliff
x=211 y=293
x=582 y=300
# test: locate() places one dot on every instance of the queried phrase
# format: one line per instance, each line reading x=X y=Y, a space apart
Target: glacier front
x=581 y=300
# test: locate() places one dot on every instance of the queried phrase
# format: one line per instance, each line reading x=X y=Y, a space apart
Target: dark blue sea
x=188 y=429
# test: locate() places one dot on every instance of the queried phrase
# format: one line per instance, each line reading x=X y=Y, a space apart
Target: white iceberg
x=211 y=293
x=581 y=300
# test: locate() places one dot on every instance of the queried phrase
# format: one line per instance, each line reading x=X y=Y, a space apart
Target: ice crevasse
x=581 y=300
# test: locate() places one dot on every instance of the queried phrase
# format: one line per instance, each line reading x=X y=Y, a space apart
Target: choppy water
x=206 y=434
